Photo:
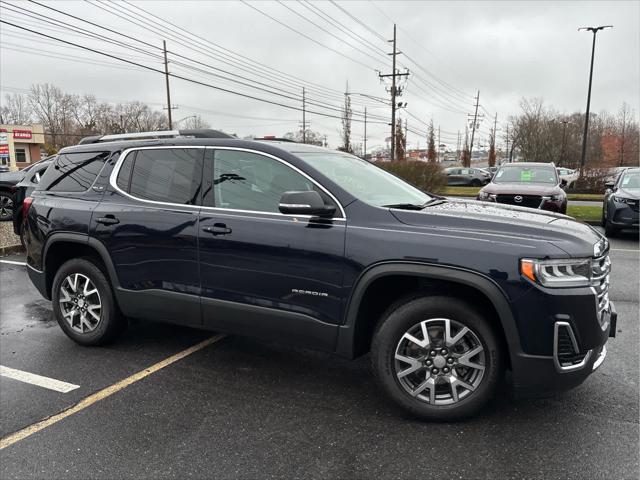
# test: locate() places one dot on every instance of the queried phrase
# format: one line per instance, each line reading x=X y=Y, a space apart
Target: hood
x=11 y=177
x=493 y=221
x=522 y=188
x=628 y=193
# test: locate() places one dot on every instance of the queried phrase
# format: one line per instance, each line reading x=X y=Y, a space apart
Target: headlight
x=486 y=196
x=552 y=198
x=629 y=201
x=557 y=273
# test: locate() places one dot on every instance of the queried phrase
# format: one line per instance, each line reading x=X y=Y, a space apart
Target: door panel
x=153 y=245
x=280 y=271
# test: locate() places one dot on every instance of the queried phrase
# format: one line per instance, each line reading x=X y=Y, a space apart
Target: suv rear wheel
x=6 y=207
x=437 y=357
x=83 y=303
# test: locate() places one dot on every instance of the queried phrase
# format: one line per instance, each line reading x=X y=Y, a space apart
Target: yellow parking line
x=104 y=393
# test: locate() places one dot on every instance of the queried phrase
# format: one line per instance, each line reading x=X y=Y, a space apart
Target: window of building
x=21 y=155
x=163 y=175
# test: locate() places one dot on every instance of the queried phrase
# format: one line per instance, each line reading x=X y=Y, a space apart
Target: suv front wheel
x=83 y=303
x=437 y=357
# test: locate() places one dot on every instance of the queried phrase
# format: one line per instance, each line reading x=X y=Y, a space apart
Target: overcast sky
x=452 y=49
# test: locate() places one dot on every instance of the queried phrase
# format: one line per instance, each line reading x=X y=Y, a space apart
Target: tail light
x=26 y=205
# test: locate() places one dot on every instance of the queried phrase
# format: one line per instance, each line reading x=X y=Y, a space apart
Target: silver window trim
x=116 y=170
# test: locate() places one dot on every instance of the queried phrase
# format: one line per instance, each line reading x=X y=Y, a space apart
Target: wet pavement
x=242 y=408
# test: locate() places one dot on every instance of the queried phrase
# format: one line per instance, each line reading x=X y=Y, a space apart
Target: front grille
x=567 y=355
x=531 y=201
x=600 y=273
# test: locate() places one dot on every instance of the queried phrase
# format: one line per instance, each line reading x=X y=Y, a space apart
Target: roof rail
x=193 y=133
x=273 y=138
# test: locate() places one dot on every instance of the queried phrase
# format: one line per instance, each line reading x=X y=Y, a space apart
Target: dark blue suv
x=320 y=249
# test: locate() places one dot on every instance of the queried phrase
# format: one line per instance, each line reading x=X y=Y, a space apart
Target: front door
x=265 y=273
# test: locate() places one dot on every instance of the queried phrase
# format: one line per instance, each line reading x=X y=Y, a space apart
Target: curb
x=10 y=249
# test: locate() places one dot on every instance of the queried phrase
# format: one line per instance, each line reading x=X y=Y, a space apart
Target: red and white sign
x=25 y=134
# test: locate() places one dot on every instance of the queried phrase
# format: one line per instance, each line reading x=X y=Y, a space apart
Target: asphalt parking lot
x=236 y=407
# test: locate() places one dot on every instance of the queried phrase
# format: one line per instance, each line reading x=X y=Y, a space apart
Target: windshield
x=364 y=180
x=526 y=174
x=631 y=179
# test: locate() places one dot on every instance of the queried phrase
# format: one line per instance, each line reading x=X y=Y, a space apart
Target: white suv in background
x=569 y=175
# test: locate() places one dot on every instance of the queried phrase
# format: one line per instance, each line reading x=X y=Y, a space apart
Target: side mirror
x=305 y=203
x=610 y=185
x=563 y=184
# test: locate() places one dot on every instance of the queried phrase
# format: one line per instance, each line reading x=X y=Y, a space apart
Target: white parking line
x=11 y=262
x=39 y=380
x=624 y=250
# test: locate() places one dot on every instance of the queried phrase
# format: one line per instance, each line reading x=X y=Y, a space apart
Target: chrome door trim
x=116 y=170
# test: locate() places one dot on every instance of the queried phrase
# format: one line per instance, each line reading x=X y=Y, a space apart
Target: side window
x=171 y=175
x=249 y=181
x=73 y=172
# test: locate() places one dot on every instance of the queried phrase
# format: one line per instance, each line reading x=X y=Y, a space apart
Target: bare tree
x=16 y=110
x=401 y=153
x=195 y=122
x=431 y=143
x=347 y=113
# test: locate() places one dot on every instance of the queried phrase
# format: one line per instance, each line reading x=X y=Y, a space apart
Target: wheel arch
x=355 y=333
x=64 y=246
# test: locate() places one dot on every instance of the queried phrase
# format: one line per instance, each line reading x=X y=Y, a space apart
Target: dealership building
x=20 y=145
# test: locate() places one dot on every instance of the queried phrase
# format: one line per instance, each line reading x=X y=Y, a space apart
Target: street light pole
x=595 y=30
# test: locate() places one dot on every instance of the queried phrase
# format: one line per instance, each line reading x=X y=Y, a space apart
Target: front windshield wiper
x=435 y=200
x=405 y=206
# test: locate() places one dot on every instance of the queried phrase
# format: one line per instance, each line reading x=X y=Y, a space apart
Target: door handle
x=108 y=220
x=217 y=229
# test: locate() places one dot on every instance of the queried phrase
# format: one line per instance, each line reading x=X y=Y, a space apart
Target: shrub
x=593 y=180
x=427 y=177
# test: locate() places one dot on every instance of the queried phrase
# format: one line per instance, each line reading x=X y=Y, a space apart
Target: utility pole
x=166 y=77
x=458 y=146
x=304 y=117
x=583 y=157
x=395 y=92
x=438 y=156
x=473 y=127
x=364 y=153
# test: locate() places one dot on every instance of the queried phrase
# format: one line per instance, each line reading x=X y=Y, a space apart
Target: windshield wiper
x=405 y=206
x=436 y=200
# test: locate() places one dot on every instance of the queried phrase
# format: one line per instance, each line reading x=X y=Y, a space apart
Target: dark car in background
x=621 y=201
x=8 y=181
x=474 y=177
x=23 y=189
x=533 y=185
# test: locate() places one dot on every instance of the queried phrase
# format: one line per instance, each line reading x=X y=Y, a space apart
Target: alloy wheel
x=6 y=207
x=80 y=303
x=440 y=361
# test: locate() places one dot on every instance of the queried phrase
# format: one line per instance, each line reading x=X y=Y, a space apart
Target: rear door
x=148 y=221
x=265 y=273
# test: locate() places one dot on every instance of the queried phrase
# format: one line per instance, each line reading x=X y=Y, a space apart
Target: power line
x=171 y=74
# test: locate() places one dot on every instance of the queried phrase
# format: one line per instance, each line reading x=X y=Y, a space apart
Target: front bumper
x=623 y=216
x=540 y=376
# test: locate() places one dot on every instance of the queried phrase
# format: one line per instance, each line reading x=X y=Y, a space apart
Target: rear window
x=164 y=175
x=73 y=172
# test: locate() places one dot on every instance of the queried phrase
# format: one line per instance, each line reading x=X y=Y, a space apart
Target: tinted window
x=248 y=181
x=73 y=172
x=163 y=175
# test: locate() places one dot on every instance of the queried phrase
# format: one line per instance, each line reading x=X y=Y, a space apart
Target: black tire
x=603 y=222
x=6 y=207
x=405 y=315
x=111 y=322
x=476 y=183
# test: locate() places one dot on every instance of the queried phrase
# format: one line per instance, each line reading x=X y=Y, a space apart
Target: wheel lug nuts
x=444 y=351
x=433 y=353
x=434 y=371
x=450 y=360
x=445 y=369
x=429 y=363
